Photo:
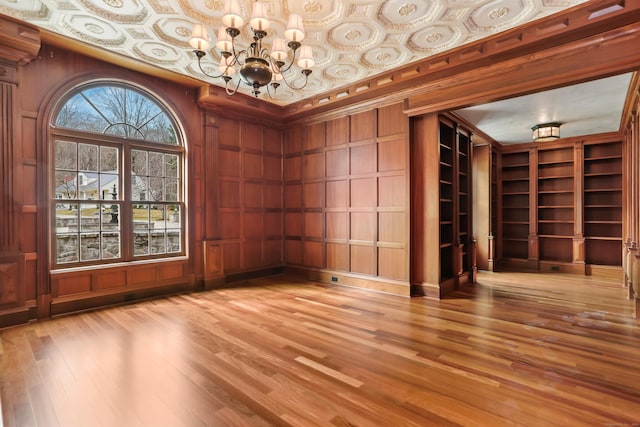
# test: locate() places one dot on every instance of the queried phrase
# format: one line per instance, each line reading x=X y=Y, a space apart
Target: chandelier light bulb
x=279 y=49
x=232 y=14
x=199 y=38
x=306 y=61
x=224 y=42
x=259 y=19
x=295 y=28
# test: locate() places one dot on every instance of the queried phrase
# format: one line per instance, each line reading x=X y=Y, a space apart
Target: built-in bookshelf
x=556 y=201
x=464 y=200
x=493 y=229
x=603 y=203
x=447 y=138
x=515 y=205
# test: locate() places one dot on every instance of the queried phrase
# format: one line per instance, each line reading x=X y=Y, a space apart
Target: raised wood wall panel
x=338 y=131
x=355 y=188
x=337 y=194
x=338 y=256
x=363 y=126
x=293 y=196
x=109 y=280
x=337 y=226
x=363 y=226
x=363 y=260
x=337 y=162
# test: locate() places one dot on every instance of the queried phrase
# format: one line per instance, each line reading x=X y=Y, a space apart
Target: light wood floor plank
x=518 y=349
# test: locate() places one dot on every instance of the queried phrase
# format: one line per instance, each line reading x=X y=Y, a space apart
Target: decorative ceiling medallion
x=352 y=35
x=407 y=9
x=114 y=3
x=83 y=27
x=312 y=6
x=132 y=13
x=153 y=52
x=434 y=39
x=383 y=57
x=93 y=28
x=499 y=13
x=216 y=5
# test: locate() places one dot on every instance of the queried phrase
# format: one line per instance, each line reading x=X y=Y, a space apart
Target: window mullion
x=126 y=222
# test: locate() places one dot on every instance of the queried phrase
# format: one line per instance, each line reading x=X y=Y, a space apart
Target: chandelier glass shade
x=256 y=65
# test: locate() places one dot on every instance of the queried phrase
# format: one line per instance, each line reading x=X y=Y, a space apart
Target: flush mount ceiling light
x=546 y=131
x=256 y=65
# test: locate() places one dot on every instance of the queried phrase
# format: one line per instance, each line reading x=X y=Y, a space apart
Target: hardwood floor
x=518 y=349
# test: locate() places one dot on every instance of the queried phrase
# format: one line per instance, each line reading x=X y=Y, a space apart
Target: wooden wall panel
x=363 y=260
x=337 y=224
x=109 y=280
x=293 y=252
x=229 y=131
x=392 y=263
x=293 y=196
x=252 y=255
x=71 y=284
x=313 y=195
x=363 y=126
x=251 y=137
x=338 y=256
x=392 y=155
x=273 y=196
x=338 y=131
x=313 y=254
x=363 y=193
x=355 y=204
x=253 y=226
x=273 y=168
x=337 y=162
x=273 y=252
x=388 y=123
x=392 y=191
x=363 y=226
x=229 y=225
x=229 y=194
x=293 y=168
x=252 y=165
x=232 y=256
x=363 y=159
x=391 y=226
x=314 y=137
x=228 y=163
x=313 y=166
x=293 y=224
x=313 y=225
x=273 y=225
x=337 y=194
x=253 y=193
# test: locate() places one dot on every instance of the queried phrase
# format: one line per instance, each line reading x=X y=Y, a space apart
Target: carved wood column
x=19 y=44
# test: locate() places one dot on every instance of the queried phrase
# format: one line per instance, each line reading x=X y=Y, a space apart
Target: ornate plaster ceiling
x=351 y=39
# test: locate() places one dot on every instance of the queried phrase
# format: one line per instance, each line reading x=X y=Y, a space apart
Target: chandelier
x=257 y=66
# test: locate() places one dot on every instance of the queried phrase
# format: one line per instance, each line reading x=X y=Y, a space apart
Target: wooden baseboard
x=614 y=272
x=387 y=286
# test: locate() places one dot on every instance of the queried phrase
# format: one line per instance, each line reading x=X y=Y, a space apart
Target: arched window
x=117 y=191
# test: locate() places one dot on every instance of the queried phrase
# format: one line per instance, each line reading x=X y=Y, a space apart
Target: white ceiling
x=583 y=109
x=351 y=40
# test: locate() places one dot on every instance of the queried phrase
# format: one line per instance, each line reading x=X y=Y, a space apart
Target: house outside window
x=117 y=191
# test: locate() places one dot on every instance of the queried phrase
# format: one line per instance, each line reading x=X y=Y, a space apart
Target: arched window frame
x=130 y=200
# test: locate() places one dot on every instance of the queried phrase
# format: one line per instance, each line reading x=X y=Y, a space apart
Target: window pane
x=171 y=190
x=110 y=245
x=66 y=155
x=156 y=189
x=139 y=188
x=89 y=217
x=88 y=186
x=89 y=246
x=109 y=160
x=65 y=184
x=173 y=241
x=141 y=243
x=66 y=218
x=139 y=162
x=158 y=243
x=110 y=217
x=173 y=217
x=156 y=164
x=171 y=165
x=109 y=187
x=141 y=217
x=66 y=248
x=88 y=157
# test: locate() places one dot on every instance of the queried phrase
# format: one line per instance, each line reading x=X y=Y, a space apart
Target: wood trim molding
x=19 y=41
